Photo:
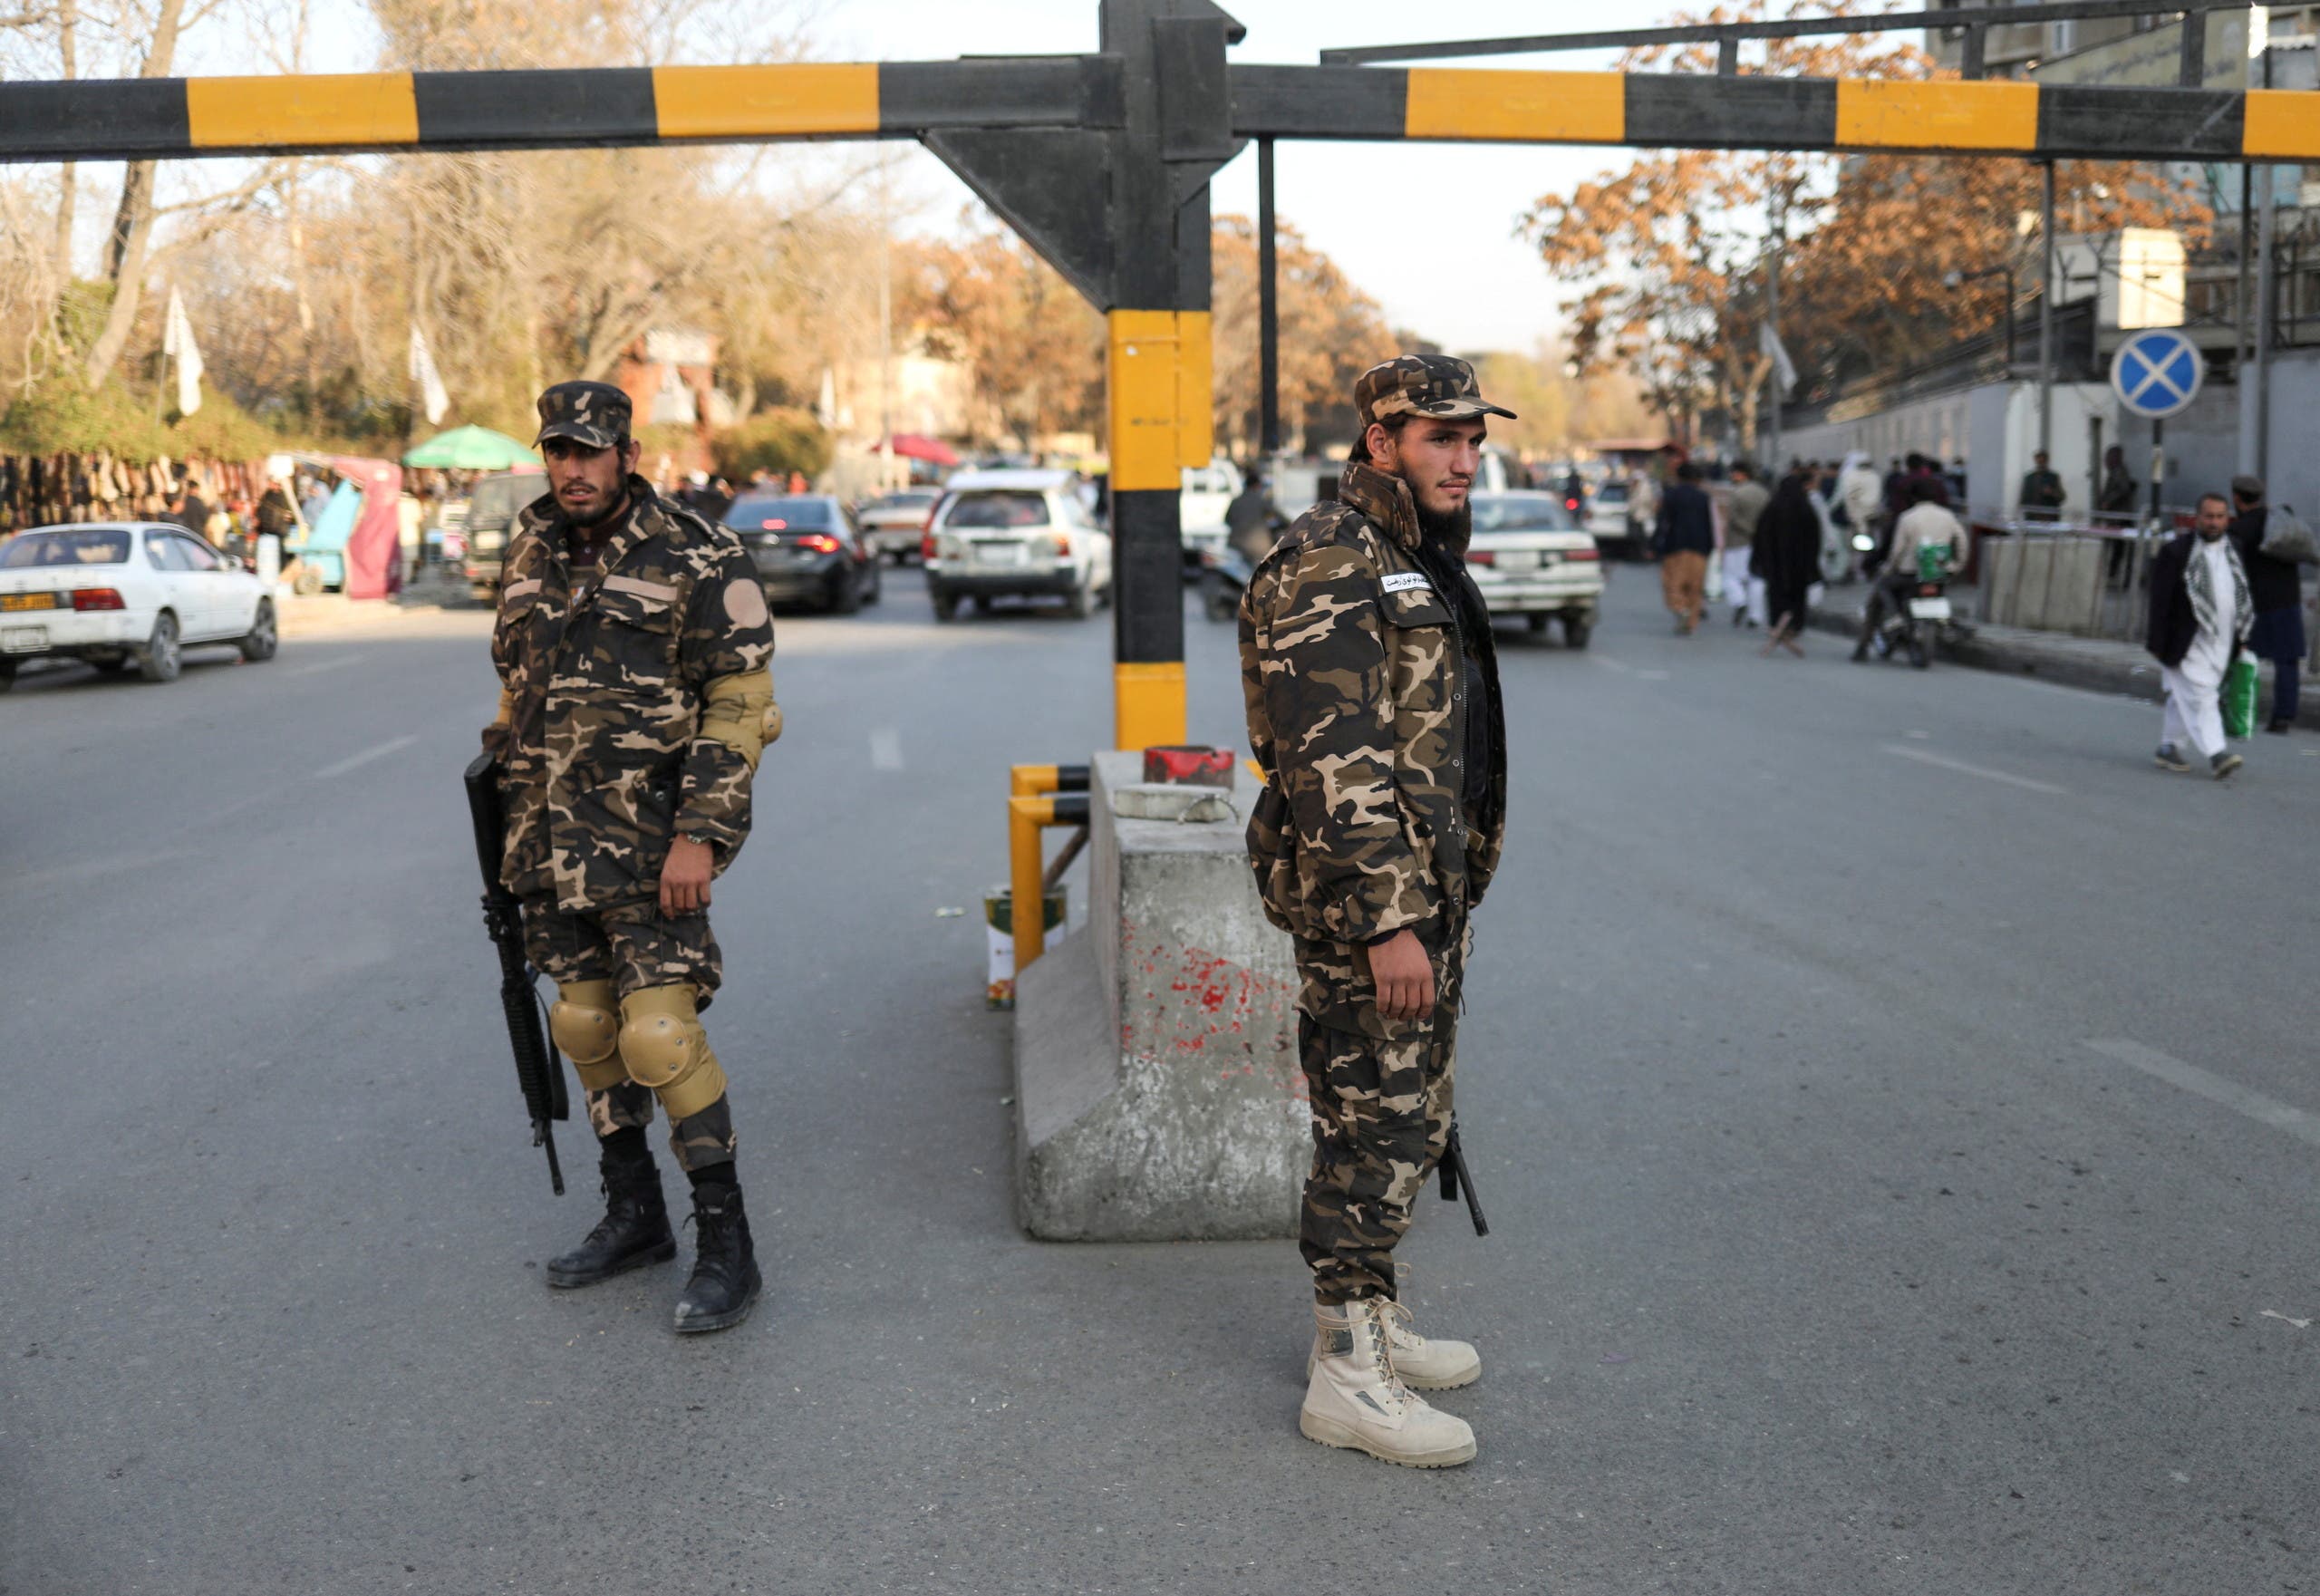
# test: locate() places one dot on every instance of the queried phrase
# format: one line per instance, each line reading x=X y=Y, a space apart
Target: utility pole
x=2047 y=313
x=1771 y=462
x=885 y=327
x=1268 y=312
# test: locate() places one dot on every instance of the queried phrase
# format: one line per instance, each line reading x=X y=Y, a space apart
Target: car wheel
x=877 y=582
x=1081 y=602
x=946 y=605
x=259 y=641
x=7 y=674
x=1919 y=655
x=982 y=603
x=1537 y=622
x=1575 y=631
x=161 y=659
x=846 y=593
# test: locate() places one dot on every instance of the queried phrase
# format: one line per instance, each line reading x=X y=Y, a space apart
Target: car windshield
x=997 y=509
x=1612 y=493
x=82 y=546
x=497 y=499
x=1520 y=512
x=784 y=514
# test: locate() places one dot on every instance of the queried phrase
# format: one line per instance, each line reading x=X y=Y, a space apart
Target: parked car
x=893 y=523
x=1015 y=534
x=1611 y=518
x=1207 y=492
x=493 y=504
x=1530 y=557
x=806 y=549
x=118 y=596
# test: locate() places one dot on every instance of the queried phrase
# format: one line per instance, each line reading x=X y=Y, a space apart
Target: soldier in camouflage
x=634 y=653
x=1373 y=702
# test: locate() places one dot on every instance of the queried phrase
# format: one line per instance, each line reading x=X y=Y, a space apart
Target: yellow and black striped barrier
x=1699 y=111
x=177 y=117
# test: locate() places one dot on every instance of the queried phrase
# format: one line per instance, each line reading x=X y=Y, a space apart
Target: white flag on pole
x=177 y=345
x=1783 y=369
x=432 y=397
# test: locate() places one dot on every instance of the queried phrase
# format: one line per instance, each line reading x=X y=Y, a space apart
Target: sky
x=1448 y=267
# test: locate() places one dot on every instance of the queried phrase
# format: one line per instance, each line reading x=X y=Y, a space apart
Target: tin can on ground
x=999 y=928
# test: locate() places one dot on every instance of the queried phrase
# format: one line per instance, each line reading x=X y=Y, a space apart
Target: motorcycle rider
x=1927 y=522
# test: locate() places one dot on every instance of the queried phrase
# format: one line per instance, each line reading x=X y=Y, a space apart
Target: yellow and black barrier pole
x=1038 y=796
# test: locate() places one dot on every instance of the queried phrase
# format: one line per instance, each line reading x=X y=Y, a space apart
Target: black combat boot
x=634 y=1230
x=725 y=1279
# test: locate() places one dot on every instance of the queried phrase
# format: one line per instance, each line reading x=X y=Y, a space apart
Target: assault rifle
x=539 y=1073
x=1456 y=1180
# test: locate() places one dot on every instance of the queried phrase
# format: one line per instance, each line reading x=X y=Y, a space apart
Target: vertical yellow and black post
x=1176 y=110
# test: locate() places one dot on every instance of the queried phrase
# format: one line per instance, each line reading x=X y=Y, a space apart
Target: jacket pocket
x=1272 y=857
x=632 y=641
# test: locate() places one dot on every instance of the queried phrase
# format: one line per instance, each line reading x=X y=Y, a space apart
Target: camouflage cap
x=1422 y=385
x=593 y=413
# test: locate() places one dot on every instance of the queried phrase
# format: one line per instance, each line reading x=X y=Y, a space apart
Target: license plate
x=1929 y=609
x=27 y=600
x=23 y=640
x=1519 y=560
x=998 y=553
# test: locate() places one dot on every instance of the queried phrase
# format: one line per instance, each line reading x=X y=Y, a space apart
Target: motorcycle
x=1916 y=613
x=1225 y=575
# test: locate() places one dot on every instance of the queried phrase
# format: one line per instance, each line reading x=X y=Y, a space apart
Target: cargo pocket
x=1272 y=857
x=632 y=641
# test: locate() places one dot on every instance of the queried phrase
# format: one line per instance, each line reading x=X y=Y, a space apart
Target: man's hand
x=1404 y=976
x=684 y=877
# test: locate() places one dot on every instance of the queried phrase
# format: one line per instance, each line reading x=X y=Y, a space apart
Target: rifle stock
x=539 y=1072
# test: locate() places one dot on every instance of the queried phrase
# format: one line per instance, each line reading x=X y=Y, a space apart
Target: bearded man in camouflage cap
x=635 y=654
x=1372 y=691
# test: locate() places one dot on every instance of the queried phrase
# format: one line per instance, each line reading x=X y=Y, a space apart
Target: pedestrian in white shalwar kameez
x=2199 y=615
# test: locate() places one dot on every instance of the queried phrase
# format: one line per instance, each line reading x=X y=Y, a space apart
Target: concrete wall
x=1993 y=427
x=1158 y=1093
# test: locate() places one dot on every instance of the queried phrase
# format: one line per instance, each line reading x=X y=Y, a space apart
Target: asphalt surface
x=1895 y=1101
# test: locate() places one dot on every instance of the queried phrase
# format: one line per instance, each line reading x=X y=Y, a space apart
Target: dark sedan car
x=807 y=550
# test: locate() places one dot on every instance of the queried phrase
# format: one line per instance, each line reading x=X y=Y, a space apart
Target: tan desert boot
x=1354 y=1398
x=1423 y=1363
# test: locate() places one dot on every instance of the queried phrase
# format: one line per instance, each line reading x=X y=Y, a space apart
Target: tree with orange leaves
x=1669 y=255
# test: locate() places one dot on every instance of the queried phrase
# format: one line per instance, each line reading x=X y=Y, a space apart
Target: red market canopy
x=932 y=450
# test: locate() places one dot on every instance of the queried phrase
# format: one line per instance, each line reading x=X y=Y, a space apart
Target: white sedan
x=123 y=594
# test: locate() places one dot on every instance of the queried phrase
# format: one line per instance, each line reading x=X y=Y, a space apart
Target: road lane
x=1826 y=1252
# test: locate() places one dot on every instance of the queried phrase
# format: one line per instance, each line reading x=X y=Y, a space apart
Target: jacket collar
x=1385 y=498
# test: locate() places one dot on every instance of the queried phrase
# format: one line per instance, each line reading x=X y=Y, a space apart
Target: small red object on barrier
x=1194 y=765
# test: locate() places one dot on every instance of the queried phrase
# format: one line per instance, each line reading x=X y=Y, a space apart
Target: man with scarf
x=2199 y=614
x=1373 y=702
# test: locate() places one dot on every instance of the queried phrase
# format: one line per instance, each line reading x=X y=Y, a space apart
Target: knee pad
x=664 y=1047
x=583 y=1022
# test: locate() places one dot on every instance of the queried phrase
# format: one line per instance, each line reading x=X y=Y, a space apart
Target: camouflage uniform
x=614 y=678
x=1358 y=669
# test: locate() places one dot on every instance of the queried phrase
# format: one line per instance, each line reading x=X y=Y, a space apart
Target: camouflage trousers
x=635 y=948
x=1381 y=1117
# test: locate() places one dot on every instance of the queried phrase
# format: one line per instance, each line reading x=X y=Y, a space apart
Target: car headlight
x=1052 y=547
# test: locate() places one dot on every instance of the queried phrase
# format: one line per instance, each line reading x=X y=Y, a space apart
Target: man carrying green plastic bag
x=2199 y=616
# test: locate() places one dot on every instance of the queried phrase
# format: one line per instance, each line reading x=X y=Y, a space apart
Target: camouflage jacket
x=1352 y=666
x=604 y=759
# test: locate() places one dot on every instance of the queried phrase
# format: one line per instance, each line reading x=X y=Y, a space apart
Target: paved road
x=1895 y=1101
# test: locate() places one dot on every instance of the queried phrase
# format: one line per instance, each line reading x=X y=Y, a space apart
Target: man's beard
x=588 y=520
x=1449 y=529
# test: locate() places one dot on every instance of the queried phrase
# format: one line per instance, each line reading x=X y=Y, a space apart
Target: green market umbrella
x=471 y=448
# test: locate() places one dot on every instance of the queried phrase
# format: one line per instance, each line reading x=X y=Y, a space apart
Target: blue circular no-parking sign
x=2157 y=372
